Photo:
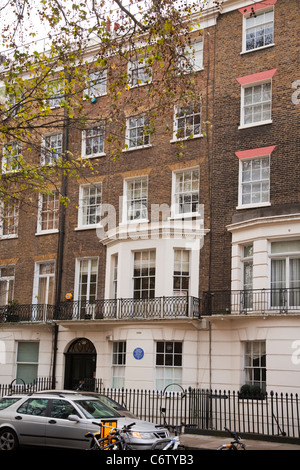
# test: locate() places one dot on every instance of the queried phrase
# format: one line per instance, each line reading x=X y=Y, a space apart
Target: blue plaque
x=138 y=353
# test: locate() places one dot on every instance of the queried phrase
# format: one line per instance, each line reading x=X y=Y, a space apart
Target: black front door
x=80 y=365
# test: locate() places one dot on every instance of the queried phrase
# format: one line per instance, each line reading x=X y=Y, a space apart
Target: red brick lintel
x=257 y=6
x=256 y=77
x=255 y=152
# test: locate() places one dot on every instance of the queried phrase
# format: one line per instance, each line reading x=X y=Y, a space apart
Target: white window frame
x=32 y=364
x=85 y=205
x=286 y=255
x=51 y=153
x=134 y=143
x=10 y=157
x=260 y=83
x=188 y=114
x=127 y=203
x=175 y=213
x=247 y=288
x=9 y=221
x=181 y=275
x=78 y=273
x=138 y=72
x=9 y=101
x=97 y=84
x=168 y=374
x=9 y=281
x=146 y=263
x=114 y=272
x=38 y=276
x=250 y=370
x=55 y=197
x=99 y=133
x=56 y=94
x=118 y=364
x=193 y=61
x=257 y=16
x=261 y=181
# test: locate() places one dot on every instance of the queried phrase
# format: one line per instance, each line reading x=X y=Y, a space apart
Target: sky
x=33 y=24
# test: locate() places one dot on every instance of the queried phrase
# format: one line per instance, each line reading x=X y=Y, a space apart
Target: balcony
x=111 y=309
x=130 y=309
x=257 y=302
x=244 y=302
x=26 y=313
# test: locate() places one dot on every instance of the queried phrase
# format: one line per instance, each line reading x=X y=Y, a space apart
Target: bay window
x=144 y=274
x=181 y=275
x=285 y=274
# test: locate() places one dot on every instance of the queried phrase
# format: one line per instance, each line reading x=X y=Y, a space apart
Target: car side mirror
x=74 y=418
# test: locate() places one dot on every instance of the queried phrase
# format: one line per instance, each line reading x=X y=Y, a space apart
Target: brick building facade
x=204 y=292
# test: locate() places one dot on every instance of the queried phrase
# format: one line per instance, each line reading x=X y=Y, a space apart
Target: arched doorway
x=80 y=365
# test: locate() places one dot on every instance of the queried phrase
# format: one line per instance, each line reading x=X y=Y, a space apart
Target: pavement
x=206 y=442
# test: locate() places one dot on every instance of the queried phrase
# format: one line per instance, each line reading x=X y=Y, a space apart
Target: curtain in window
x=278 y=282
x=294 y=299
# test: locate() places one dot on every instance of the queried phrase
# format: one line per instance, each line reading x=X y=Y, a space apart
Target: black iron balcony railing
x=109 y=309
x=264 y=301
x=258 y=301
x=125 y=309
x=27 y=313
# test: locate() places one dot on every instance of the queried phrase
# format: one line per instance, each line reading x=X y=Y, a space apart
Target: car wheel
x=8 y=440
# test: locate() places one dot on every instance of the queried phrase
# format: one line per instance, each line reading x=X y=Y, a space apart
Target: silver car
x=61 y=421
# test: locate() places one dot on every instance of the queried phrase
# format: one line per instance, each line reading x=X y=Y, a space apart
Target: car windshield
x=8 y=401
x=96 y=409
x=112 y=403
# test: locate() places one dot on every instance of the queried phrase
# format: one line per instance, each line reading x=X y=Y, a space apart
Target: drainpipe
x=55 y=339
x=211 y=171
x=61 y=235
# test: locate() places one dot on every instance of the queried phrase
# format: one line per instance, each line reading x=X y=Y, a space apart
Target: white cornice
x=259 y=221
x=175 y=229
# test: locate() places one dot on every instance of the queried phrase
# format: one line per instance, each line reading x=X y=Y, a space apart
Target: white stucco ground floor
x=217 y=352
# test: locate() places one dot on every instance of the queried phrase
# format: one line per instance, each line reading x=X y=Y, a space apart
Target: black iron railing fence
x=271 y=415
x=19 y=386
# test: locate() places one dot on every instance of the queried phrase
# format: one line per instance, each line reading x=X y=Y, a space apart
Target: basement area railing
x=269 y=415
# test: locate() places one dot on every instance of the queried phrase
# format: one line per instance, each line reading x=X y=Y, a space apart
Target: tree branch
x=130 y=15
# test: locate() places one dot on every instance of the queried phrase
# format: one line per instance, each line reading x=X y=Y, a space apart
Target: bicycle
x=172 y=443
x=236 y=444
x=114 y=440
